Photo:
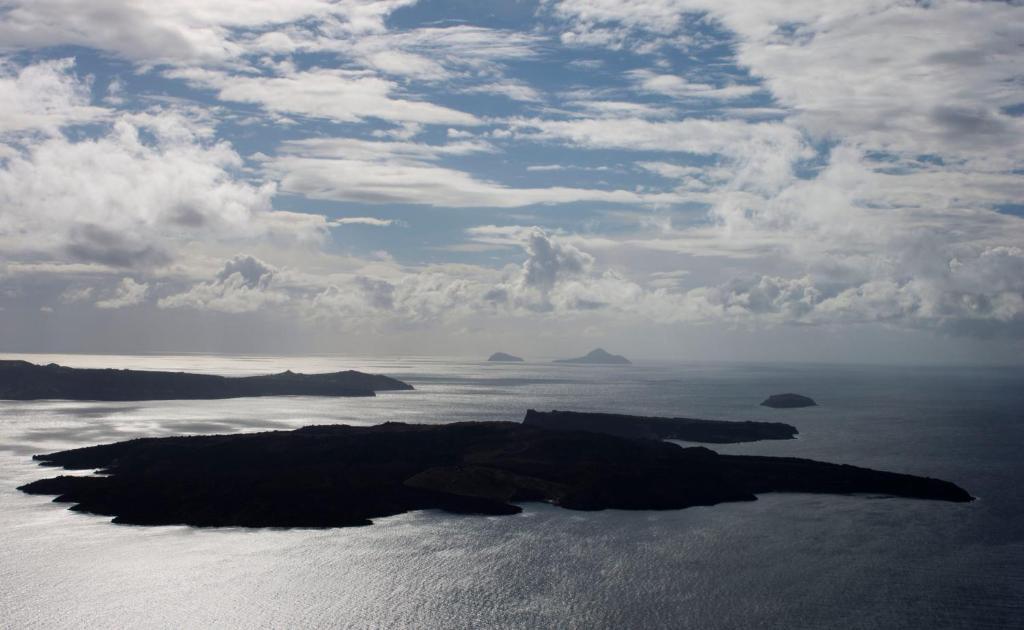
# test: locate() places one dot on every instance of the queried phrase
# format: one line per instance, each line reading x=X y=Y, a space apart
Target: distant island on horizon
x=21 y=380
x=598 y=356
x=504 y=357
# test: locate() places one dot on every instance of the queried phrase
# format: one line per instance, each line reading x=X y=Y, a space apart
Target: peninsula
x=598 y=357
x=330 y=476
x=685 y=429
x=21 y=380
x=504 y=357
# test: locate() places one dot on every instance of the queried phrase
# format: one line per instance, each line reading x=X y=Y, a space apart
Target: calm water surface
x=785 y=561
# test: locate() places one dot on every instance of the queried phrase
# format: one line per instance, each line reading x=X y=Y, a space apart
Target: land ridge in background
x=21 y=380
x=658 y=428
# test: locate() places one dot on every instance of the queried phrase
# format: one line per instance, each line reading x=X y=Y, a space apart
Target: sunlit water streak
x=785 y=561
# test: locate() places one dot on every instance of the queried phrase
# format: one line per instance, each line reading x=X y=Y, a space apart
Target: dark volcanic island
x=21 y=380
x=788 y=401
x=329 y=476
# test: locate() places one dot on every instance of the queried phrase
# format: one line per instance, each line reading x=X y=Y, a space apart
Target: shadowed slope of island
x=503 y=357
x=788 y=401
x=686 y=429
x=598 y=357
x=21 y=380
x=327 y=476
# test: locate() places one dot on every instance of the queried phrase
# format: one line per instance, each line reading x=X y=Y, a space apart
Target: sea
x=785 y=561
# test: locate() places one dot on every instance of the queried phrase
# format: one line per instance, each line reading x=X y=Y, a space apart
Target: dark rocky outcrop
x=325 y=476
x=686 y=429
x=788 y=401
x=501 y=356
x=598 y=357
x=21 y=380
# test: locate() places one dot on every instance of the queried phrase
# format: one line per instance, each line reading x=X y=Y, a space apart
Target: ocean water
x=784 y=561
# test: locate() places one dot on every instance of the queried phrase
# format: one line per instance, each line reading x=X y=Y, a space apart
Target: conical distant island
x=598 y=356
x=502 y=356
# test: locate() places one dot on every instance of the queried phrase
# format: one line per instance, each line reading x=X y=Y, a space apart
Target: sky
x=791 y=180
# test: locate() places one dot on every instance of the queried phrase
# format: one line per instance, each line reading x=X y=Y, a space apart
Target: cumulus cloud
x=427 y=298
x=901 y=205
x=833 y=66
x=244 y=284
x=44 y=97
x=176 y=32
x=126 y=196
x=555 y=279
x=128 y=293
x=556 y=276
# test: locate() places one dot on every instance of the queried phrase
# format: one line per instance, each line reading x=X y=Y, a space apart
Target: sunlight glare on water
x=785 y=561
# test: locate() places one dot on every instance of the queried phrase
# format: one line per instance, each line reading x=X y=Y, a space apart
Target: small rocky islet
x=788 y=401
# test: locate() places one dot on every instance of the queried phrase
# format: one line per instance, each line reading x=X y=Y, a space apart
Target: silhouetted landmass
x=324 y=476
x=788 y=401
x=598 y=356
x=501 y=356
x=21 y=380
x=687 y=429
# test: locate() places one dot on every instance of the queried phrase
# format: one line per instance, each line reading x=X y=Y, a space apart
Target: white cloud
x=72 y=295
x=369 y=150
x=401 y=172
x=439 y=53
x=659 y=16
x=374 y=221
x=244 y=284
x=44 y=97
x=126 y=197
x=340 y=95
x=515 y=90
x=617 y=109
x=898 y=210
x=128 y=293
x=176 y=32
x=834 y=64
x=763 y=153
x=678 y=87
